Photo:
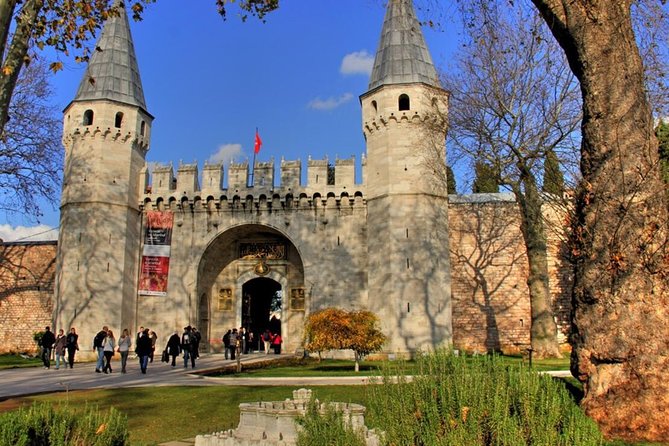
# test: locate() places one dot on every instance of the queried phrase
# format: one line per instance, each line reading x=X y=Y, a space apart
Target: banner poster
x=155 y=266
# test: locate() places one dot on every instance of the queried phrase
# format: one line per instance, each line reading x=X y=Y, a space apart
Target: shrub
x=458 y=400
x=327 y=428
x=44 y=425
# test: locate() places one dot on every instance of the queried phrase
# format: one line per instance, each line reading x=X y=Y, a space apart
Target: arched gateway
x=251 y=276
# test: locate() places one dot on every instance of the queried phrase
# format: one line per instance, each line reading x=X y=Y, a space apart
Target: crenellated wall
x=324 y=179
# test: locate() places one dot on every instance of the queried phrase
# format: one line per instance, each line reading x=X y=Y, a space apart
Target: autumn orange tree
x=337 y=329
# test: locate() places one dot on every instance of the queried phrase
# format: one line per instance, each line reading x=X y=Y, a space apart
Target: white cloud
x=9 y=233
x=359 y=62
x=226 y=153
x=329 y=103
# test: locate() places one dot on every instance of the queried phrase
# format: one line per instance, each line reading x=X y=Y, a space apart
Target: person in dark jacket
x=188 y=345
x=226 y=343
x=173 y=347
x=72 y=346
x=47 y=341
x=144 y=350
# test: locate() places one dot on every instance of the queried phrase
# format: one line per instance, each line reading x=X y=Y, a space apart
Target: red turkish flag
x=258 y=143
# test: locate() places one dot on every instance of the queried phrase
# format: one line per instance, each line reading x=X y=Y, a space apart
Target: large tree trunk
x=543 y=332
x=14 y=57
x=620 y=330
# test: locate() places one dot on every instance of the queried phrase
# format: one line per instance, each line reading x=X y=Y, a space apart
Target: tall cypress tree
x=553 y=178
x=451 y=187
x=486 y=178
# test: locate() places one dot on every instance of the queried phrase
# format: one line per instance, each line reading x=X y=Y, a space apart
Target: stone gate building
x=264 y=252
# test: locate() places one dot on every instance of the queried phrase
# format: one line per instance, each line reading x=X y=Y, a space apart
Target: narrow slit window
x=118 y=121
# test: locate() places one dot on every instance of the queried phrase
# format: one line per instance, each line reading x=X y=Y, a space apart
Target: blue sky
x=209 y=83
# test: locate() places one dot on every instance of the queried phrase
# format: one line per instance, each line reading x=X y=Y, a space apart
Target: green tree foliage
x=337 y=329
x=553 y=178
x=486 y=179
x=451 y=186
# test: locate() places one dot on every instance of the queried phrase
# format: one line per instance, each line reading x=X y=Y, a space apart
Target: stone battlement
x=327 y=183
x=273 y=423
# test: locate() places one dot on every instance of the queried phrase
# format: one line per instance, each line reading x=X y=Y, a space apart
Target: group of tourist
x=59 y=345
x=243 y=342
x=106 y=345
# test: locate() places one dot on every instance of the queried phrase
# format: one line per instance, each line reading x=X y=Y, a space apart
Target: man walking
x=188 y=343
x=47 y=341
x=98 y=346
x=226 y=344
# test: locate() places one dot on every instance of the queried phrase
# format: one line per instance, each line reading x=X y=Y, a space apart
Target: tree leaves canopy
x=337 y=329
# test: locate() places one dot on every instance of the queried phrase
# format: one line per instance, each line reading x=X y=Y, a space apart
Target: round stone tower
x=106 y=132
x=404 y=114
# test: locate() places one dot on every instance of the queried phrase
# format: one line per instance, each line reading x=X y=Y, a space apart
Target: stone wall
x=26 y=293
x=491 y=307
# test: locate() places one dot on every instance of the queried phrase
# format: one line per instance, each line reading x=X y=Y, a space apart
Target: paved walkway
x=36 y=380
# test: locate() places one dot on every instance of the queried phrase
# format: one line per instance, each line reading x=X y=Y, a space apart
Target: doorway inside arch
x=261 y=306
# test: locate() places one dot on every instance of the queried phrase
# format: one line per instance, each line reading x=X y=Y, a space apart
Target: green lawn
x=12 y=361
x=161 y=414
x=295 y=367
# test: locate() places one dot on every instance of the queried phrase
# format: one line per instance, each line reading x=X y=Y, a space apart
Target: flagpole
x=253 y=168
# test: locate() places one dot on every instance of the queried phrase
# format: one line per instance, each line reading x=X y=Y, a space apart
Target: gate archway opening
x=261 y=306
x=252 y=276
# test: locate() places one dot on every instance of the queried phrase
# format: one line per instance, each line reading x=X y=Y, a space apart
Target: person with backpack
x=188 y=342
x=267 y=339
x=98 y=346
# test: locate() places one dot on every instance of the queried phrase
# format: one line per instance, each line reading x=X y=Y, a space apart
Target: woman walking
x=108 y=348
x=72 y=345
x=124 y=344
x=59 y=348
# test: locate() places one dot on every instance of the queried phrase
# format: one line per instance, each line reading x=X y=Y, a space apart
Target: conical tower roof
x=402 y=56
x=112 y=71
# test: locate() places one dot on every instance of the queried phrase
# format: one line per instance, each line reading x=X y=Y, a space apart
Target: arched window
x=88 y=117
x=142 y=128
x=404 y=102
x=118 y=120
x=375 y=106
